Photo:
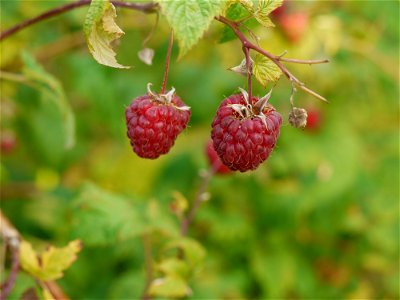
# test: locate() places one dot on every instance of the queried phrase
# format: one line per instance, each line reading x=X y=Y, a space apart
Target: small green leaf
x=170 y=287
x=265 y=70
x=53 y=90
x=53 y=262
x=189 y=19
x=193 y=250
x=100 y=31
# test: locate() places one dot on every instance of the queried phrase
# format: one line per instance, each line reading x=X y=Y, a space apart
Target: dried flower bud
x=298 y=117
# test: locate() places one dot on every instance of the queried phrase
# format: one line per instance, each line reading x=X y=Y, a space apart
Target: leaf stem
x=171 y=41
x=150 y=7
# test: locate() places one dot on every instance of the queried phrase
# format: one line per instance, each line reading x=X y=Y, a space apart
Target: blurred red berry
x=314 y=119
x=294 y=25
x=8 y=142
x=214 y=160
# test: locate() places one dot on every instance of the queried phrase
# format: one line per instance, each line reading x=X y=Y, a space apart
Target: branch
x=274 y=58
x=150 y=7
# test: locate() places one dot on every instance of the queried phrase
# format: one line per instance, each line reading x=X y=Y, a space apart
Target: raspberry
x=244 y=134
x=154 y=122
x=214 y=160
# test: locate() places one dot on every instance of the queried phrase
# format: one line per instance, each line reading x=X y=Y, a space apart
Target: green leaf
x=193 y=250
x=170 y=287
x=103 y=218
x=52 y=88
x=53 y=262
x=265 y=70
x=100 y=31
x=234 y=12
x=189 y=19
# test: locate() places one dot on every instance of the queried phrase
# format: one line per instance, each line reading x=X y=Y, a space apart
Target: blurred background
x=319 y=219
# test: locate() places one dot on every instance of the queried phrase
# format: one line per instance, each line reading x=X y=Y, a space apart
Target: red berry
x=154 y=122
x=313 y=119
x=243 y=137
x=214 y=160
x=294 y=25
x=8 y=142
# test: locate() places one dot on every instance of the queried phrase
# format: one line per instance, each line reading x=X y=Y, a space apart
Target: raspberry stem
x=171 y=41
x=249 y=68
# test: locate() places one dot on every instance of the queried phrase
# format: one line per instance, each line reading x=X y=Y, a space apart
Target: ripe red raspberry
x=214 y=160
x=154 y=122
x=314 y=119
x=244 y=135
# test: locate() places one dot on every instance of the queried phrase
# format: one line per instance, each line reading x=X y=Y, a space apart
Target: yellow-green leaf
x=46 y=295
x=190 y=19
x=100 y=31
x=248 y=5
x=193 y=250
x=28 y=258
x=264 y=8
x=53 y=262
x=174 y=266
x=169 y=287
x=264 y=20
x=264 y=70
x=56 y=260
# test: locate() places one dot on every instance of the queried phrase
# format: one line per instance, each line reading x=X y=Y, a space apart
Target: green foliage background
x=320 y=219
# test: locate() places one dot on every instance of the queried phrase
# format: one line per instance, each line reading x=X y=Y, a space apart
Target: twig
x=187 y=220
x=275 y=59
x=171 y=41
x=148 y=258
x=11 y=238
x=144 y=7
x=304 y=62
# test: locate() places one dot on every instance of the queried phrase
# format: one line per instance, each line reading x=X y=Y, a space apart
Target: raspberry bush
x=111 y=183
